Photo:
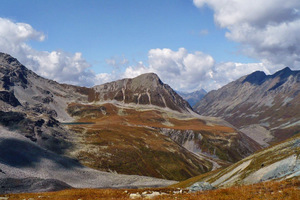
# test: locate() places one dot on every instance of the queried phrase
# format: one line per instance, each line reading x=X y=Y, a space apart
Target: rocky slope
x=116 y=127
x=278 y=162
x=193 y=97
x=23 y=161
x=265 y=107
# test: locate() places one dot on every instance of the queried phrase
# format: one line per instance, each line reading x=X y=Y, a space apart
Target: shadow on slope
x=19 y=153
x=12 y=185
x=48 y=133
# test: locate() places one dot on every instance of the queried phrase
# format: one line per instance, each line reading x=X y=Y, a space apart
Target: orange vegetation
x=287 y=190
x=129 y=141
x=152 y=118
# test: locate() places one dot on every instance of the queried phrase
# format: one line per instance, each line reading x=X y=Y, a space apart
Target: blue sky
x=115 y=39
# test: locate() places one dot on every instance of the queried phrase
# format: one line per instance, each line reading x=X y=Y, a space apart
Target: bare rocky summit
x=146 y=89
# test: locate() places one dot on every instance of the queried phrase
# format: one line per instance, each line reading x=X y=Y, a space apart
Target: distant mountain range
x=193 y=97
x=265 y=107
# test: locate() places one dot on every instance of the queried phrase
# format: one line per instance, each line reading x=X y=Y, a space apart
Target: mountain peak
x=148 y=80
x=9 y=64
x=13 y=72
x=7 y=60
x=285 y=72
x=149 y=75
x=256 y=78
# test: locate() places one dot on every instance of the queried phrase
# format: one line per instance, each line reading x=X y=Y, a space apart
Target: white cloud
x=61 y=66
x=56 y=65
x=133 y=71
x=180 y=69
x=268 y=30
x=230 y=71
x=18 y=32
x=186 y=71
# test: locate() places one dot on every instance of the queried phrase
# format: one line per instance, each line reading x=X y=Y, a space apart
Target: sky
x=190 y=44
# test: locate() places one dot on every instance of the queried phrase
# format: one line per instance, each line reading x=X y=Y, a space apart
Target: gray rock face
x=270 y=101
x=9 y=98
x=200 y=186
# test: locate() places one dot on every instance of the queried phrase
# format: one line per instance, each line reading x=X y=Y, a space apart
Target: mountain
x=277 y=162
x=146 y=89
x=193 y=97
x=136 y=126
x=265 y=107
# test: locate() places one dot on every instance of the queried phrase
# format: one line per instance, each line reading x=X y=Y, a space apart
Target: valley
x=138 y=133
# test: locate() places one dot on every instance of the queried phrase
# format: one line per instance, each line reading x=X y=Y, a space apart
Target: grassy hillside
x=280 y=161
x=129 y=141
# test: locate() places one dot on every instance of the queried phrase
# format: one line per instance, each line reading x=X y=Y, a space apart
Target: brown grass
x=129 y=142
x=287 y=190
x=121 y=143
x=152 y=118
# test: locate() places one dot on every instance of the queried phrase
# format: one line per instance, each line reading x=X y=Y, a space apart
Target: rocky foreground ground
x=288 y=190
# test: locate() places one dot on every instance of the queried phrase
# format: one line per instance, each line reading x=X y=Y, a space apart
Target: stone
x=200 y=186
x=135 y=196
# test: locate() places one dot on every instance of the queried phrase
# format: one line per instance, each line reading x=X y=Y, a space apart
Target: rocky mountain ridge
x=263 y=106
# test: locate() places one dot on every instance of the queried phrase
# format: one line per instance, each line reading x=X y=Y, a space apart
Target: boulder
x=200 y=186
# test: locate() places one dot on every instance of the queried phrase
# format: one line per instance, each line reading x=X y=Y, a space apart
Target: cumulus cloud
x=56 y=65
x=186 y=71
x=180 y=69
x=136 y=70
x=224 y=73
x=268 y=30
